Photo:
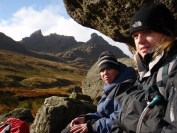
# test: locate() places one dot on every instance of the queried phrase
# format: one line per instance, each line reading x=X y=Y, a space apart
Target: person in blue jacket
x=117 y=77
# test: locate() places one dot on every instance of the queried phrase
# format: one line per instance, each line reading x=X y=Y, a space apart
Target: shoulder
x=127 y=71
x=124 y=67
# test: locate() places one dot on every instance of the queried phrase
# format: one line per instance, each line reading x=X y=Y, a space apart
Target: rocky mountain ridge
x=60 y=48
x=52 y=43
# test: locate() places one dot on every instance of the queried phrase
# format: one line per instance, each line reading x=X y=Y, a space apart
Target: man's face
x=146 y=40
x=108 y=75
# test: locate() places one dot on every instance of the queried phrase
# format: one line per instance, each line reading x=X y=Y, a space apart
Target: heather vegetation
x=26 y=81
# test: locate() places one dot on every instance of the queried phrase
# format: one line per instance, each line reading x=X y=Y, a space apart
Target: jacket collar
x=143 y=72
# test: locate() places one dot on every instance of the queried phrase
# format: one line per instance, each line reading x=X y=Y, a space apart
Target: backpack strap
x=5 y=127
x=161 y=79
x=163 y=74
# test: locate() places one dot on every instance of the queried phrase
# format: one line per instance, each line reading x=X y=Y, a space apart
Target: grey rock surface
x=20 y=113
x=110 y=17
x=56 y=113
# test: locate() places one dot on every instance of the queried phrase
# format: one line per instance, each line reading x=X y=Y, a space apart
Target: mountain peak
x=96 y=39
x=94 y=35
x=37 y=33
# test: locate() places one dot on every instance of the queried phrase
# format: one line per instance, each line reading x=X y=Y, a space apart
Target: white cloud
x=27 y=20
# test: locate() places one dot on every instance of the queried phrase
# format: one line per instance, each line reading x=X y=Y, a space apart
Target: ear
x=169 y=38
x=117 y=72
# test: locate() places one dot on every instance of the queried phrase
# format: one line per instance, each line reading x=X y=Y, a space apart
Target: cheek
x=136 y=44
x=137 y=47
x=114 y=75
x=102 y=76
x=154 y=42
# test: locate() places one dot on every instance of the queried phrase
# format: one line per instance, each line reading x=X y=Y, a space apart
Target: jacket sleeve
x=103 y=125
x=105 y=101
x=91 y=116
x=96 y=115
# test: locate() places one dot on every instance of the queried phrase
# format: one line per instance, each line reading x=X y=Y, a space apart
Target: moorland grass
x=26 y=81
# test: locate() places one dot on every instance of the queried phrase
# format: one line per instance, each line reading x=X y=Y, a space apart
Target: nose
x=140 y=39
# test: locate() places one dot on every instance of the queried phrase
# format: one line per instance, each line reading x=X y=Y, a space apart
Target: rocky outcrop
x=110 y=17
x=88 y=53
x=54 y=114
x=92 y=85
x=83 y=54
x=52 y=43
x=57 y=112
x=75 y=89
x=20 y=113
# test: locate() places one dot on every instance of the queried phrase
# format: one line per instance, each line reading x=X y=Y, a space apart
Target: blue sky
x=20 y=18
x=8 y=7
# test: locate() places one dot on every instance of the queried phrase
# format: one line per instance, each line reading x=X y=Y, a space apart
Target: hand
x=79 y=128
x=78 y=120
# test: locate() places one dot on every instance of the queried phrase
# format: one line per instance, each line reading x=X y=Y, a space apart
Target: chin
x=143 y=54
x=106 y=82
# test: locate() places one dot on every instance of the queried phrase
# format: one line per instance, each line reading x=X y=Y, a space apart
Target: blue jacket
x=107 y=108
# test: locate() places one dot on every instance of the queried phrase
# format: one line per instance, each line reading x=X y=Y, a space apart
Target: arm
x=171 y=96
x=104 y=124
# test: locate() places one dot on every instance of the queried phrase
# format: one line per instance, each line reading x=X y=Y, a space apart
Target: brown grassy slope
x=26 y=81
x=20 y=70
x=23 y=77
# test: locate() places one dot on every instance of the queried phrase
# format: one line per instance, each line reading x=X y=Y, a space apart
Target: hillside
x=26 y=81
x=18 y=70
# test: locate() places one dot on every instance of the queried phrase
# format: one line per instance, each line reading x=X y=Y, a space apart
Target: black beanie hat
x=107 y=60
x=153 y=16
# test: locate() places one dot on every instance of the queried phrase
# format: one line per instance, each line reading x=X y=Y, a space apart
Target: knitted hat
x=153 y=16
x=107 y=60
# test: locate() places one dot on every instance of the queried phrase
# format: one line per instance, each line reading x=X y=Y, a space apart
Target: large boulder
x=110 y=17
x=57 y=112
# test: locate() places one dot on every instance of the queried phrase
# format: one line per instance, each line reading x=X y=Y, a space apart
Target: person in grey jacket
x=151 y=105
x=117 y=77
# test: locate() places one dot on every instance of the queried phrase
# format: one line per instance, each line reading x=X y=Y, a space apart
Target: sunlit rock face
x=110 y=17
